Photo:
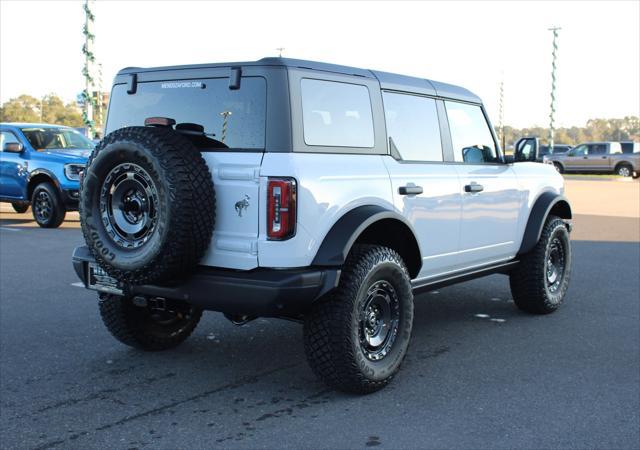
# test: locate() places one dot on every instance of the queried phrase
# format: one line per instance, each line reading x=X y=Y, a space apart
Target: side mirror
x=13 y=147
x=526 y=149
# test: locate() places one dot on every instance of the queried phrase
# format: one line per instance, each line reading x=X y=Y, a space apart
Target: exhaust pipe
x=239 y=319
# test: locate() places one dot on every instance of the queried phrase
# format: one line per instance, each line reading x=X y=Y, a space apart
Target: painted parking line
x=10 y=229
x=78 y=284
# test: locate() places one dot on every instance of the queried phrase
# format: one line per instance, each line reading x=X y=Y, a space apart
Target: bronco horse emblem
x=242 y=205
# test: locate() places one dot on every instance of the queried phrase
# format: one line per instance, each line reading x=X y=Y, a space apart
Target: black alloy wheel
x=379 y=320
x=46 y=206
x=129 y=205
x=556 y=265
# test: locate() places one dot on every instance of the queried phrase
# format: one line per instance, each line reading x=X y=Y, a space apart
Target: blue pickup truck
x=40 y=165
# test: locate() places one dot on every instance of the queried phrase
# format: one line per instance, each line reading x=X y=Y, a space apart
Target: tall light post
x=553 y=86
x=87 y=71
x=501 y=112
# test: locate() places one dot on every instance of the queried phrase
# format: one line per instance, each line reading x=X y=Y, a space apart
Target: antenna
x=280 y=49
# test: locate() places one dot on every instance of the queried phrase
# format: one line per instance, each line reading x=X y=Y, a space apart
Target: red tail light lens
x=281 y=208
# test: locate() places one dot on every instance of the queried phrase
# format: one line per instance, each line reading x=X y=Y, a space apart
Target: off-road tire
x=183 y=196
x=529 y=283
x=132 y=325
x=20 y=207
x=332 y=337
x=46 y=193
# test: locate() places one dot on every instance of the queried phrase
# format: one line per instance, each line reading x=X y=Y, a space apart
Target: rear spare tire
x=147 y=207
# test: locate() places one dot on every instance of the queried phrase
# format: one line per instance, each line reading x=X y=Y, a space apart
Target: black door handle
x=474 y=187
x=410 y=190
x=585 y=157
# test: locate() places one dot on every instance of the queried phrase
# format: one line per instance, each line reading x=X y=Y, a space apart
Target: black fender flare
x=539 y=213
x=34 y=173
x=338 y=242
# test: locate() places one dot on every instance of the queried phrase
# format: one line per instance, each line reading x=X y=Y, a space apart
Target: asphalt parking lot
x=507 y=380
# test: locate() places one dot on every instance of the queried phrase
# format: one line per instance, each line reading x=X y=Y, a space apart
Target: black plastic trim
x=132 y=84
x=420 y=286
x=537 y=218
x=70 y=203
x=337 y=243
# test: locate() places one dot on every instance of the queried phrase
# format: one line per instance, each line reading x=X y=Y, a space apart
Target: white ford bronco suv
x=324 y=194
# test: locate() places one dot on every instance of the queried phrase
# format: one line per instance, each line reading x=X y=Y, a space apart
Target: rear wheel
x=47 y=207
x=20 y=207
x=356 y=340
x=539 y=283
x=624 y=170
x=151 y=324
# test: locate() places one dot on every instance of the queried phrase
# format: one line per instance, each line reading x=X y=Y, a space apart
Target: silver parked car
x=597 y=157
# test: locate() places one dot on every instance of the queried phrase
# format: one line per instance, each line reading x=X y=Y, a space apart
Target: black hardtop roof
x=387 y=80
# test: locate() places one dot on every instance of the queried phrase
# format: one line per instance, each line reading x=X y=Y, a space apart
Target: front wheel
x=539 y=283
x=356 y=340
x=47 y=207
x=558 y=167
x=150 y=324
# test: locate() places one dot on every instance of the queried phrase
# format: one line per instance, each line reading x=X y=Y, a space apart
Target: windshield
x=227 y=118
x=56 y=139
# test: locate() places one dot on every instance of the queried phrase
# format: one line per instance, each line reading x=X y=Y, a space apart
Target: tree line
x=51 y=109
x=625 y=129
x=48 y=109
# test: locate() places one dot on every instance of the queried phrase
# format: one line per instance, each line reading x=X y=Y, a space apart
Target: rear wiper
x=193 y=129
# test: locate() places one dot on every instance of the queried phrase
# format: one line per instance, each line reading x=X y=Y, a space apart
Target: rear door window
x=336 y=114
x=413 y=127
x=232 y=119
x=597 y=149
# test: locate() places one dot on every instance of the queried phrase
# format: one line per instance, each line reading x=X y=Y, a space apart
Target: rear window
x=231 y=118
x=336 y=114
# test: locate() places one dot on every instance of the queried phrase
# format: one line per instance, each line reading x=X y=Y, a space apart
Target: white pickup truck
x=325 y=194
x=597 y=157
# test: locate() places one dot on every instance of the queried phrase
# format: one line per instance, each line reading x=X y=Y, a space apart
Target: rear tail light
x=281 y=208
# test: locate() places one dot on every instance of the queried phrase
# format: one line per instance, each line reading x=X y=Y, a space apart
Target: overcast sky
x=471 y=44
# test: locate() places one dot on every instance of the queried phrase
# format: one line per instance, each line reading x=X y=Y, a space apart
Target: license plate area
x=99 y=280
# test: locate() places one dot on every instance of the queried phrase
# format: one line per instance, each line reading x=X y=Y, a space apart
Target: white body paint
x=455 y=230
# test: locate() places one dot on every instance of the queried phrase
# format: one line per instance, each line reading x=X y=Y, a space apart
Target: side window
x=7 y=137
x=470 y=134
x=580 y=150
x=336 y=114
x=412 y=126
x=597 y=149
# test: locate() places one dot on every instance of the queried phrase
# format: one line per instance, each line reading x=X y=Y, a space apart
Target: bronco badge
x=242 y=205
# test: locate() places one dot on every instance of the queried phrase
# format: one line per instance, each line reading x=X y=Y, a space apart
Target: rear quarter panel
x=329 y=185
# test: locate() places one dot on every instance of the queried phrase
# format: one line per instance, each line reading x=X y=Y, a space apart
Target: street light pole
x=501 y=112
x=553 y=86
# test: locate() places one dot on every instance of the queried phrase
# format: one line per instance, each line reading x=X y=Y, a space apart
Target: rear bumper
x=259 y=292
